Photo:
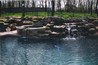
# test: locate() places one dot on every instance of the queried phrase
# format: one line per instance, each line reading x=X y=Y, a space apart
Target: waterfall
x=69 y=37
x=69 y=28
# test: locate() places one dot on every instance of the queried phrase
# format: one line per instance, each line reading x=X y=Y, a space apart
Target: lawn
x=44 y=14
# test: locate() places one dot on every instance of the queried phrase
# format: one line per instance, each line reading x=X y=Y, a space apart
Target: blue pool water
x=83 y=51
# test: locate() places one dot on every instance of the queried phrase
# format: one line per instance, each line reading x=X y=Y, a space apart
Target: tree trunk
x=0 y=8
x=45 y=5
x=33 y=4
x=91 y=8
x=97 y=8
x=49 y=8
x=53 y=7
x=23 y=10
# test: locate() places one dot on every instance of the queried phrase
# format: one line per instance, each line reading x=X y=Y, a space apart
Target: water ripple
x=83 y=51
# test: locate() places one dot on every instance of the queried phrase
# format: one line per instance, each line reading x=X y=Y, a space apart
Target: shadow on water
x=81 y=51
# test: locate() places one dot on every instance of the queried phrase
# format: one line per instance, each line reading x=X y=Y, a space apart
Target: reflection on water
x=82 y=51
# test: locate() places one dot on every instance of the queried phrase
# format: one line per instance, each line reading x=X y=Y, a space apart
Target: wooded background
x=83 y=6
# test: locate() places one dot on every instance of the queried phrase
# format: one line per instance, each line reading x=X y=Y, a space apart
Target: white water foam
x=70 y=38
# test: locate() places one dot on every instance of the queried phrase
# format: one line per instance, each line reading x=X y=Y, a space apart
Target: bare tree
x=23 y=6
x=68 y=6
x=64 y=4
x=9 y=4
x=33 y=3
x=91 y=8
x=46 y=5
x=49 y=5
x=42 y=3
x=97 y=8
x=0 y=8
x=59 y=5
x=53 y=7
x=13 y=4
x=27 y=3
